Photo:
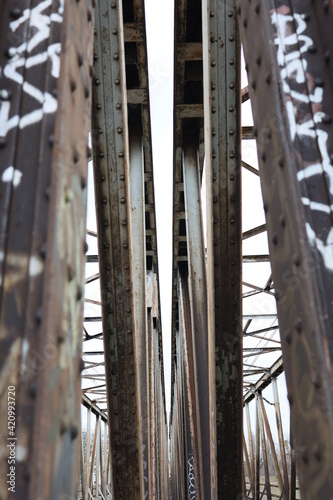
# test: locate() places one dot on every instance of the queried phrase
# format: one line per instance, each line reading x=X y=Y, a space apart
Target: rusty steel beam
x=45 y=57
x=198 y=305
x=222 y=98
x=288 y=61
x=113 y=209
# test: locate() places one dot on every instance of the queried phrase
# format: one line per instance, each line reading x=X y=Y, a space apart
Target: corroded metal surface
x=45 y=116
x=288 y=62
x=223 y=168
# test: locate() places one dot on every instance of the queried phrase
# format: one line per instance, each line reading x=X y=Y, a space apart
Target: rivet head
x=274 y=239
x=97 y=82
x=231 y=132
x=117 y=81
x=312 y=49
x=288 y=336
x=327 y=56
x=317 y=451
x=95 y=57
x=268 y=78
x=231 y=109
x=298 y=325
x=70 y=272
x=73 y=85
x=42 y=251
x=89 y=16
x=213 y=63
x=122 y=177
x=119 y=130
x=3 y=142
x=113 y=5
x=326 y=119
x=116 y=56
x=124 y=223
x=258 y=60
x=79 y=292
x=81 y=365
x=297 y=259
x=319 y=82
x=115 y=32
x=304 y=455
x=15 y=13
x=281 y=162
x=245 y=23
x=79 y=60
x=118 y=106
x=316 y=380
x=33 y=389
x=74 y=431
x=38 y=316
x=98 y=106
x=253 y=84
x=282 y=220
x=257 y=8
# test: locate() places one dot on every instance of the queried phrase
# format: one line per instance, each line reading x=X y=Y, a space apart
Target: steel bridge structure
x=83 y=392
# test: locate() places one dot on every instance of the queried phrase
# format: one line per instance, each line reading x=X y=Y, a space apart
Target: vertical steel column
x=272 y=447
x=191 y=397
x=292 y=491
x=264 y=456
x=288 y=47
x=281 y=438
x=46 y=50
x=221 y=65
x=257 y=452
x=117 y=267
x=198 y=306
x=249 y=432
x=138 y=268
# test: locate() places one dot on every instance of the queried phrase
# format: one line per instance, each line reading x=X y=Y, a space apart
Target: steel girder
x=46 y=51
x=288 y=63
x=128 y=253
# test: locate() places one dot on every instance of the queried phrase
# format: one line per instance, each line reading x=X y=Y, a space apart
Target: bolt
x=79 y=292
x=15 y=13
x=288 y=337
x=42 y=251
x=298 y=325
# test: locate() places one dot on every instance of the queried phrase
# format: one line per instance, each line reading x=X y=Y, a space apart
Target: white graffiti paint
x=191 y=478
x=293 y=69
x=12 y=175
x=22 y=57
x=36 y=266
